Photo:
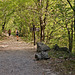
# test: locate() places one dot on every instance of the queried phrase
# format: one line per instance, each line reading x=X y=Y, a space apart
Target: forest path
x=17 y=58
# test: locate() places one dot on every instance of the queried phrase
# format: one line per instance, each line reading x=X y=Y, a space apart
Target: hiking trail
x=18 y=58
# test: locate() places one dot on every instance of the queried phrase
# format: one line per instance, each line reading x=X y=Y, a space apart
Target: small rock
x=60 y=57
x=64 y=49
x=41 y=55
x=56 y=47
x=70 y=72
x=38 y=56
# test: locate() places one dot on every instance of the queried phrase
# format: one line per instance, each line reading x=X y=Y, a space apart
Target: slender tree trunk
x=3 y=26
x=41 y=23
x=74 y=24
x=45 y=19
x=73 y=8
x=69 y=40
x=41 y=35
x=41 y=29
x=70 y=37
x=43 y=32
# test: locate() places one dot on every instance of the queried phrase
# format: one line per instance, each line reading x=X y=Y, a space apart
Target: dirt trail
x=17 y=58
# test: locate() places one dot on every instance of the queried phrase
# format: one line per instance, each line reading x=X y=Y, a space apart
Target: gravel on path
x=17 y=58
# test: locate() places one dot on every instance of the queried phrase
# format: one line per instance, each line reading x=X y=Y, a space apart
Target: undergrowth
x=66 y=66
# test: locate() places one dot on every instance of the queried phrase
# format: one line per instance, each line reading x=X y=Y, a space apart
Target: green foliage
x=23 y=14
x=64 y=61
x=58 y=54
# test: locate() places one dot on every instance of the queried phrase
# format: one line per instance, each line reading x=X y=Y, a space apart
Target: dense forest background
x=53 y=20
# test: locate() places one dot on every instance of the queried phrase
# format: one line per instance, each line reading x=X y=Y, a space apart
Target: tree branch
x=70 y=4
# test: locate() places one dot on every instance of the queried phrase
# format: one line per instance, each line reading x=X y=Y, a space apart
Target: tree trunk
x=3 y=26
x=69 y=40
x=70 y=36
x=45 y=19
x=74 y=25
x=41 y=35
x=43 y=32
x=73 y=8
x=41 y=29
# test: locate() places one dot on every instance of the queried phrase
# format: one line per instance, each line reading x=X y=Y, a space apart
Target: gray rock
x=64 y=49
x=44 y=55
x=56 y=47
x=41 y=55
x=42 y=47
x=38 y=56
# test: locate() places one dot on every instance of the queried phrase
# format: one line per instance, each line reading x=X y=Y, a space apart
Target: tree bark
x=41 y=28
x=45 y=19
x=73 y=8
x=69 y=40
x=74 y=24
x=3 y=26
x=70 y=37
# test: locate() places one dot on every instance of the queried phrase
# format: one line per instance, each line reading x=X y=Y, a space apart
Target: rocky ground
x=17 y=58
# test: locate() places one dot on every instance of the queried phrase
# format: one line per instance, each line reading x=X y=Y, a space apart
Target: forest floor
x=18 y=58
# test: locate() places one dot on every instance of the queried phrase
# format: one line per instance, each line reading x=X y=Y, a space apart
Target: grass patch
x=65 y=62
x=57 y=54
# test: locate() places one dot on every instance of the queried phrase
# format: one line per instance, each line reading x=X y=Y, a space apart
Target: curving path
x=17 y=58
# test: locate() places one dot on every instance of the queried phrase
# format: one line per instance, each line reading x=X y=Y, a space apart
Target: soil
x=18 y=58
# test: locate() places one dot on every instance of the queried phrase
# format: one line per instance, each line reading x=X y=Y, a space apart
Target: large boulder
x=42 y=47
x=41 y=55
